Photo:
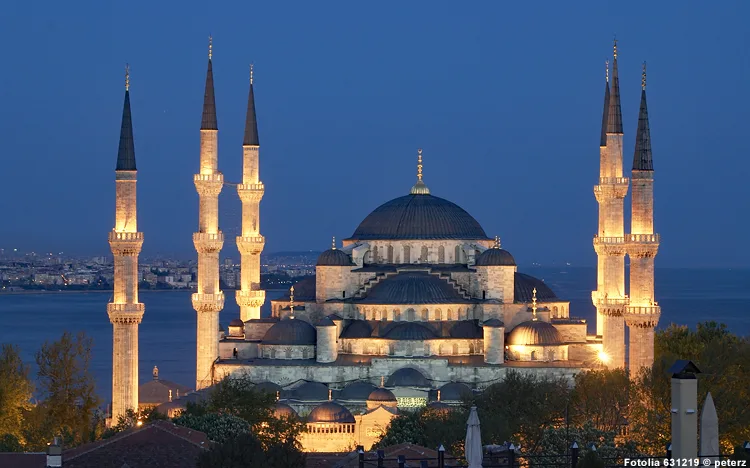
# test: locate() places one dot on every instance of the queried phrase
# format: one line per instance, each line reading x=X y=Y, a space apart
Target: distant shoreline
x=110 y=291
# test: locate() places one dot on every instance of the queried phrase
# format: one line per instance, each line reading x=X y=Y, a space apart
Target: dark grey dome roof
x=357 y=329
x=325 y=322
x=358 y=390
x=524 y=285
x=493 y=322
x=268 y=387
x=466 y=329
x=282 y=410
x=419 y=217
x=413 y=287
x=304 y=291
x=381 y=394
x=409 y=331
x=535 y=332
x=334 y=257
x=407 y=377
x=310 y=391
x=330 y=412
x=495 y=257
x=236 y=323
x=290 y=332
x=454 y=391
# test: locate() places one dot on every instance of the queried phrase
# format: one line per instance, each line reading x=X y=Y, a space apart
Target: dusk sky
x=505 y=98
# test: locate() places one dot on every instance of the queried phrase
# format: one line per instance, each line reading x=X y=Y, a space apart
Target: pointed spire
x=208 y=121
x=419 y=188
x=533 y=305
x=642 y=160
x=251 y=123
x=605 y=113
x=126 y=153
x=614 y=117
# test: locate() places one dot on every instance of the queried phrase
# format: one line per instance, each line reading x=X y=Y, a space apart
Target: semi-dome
x=535 y=332
x=413 y=287
x=282 y=410
x=268 y=387
x=381 y=394
x=419 y=216
x=454 y=391
x=357 y=329
x=358 y=390
x=407 y=377
x=290 y=332
x=310 y=391
x=523 y=289
x=466 y=329
x=409 y=331
x=495 y=257
x=334 y=257
x=330 y=412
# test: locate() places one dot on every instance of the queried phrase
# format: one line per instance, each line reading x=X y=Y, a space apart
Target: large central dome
x=419 y=216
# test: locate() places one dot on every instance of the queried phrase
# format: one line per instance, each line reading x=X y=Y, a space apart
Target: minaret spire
x=419 y=188
x=251 y=123
x=208 y=122
x=614 y=119
x=126 y=153
x=642 y=158
x=605 y=112
x=533 y=305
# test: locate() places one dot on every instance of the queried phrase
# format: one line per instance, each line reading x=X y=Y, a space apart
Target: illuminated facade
x=125 y=312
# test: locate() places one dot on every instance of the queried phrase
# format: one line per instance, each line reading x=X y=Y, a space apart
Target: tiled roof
x=157 y=391
x=413 y=288
x=419 y=217
x=23 y=460
x=524 y=285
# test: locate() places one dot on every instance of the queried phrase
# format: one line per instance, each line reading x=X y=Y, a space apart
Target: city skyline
x=484 y=98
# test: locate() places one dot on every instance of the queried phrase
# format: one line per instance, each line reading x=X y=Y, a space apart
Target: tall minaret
x=125 y=312
x=250 y=297
x=609 y=243
x=209 y=300
x=642 y=314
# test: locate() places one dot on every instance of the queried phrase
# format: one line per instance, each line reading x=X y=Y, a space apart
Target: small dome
x=407 y=377
x=466 y=329
x=409 y=331
x=236 y=323
x=381 y=395
x=358 y=390
x=454 y=391
x=334 y=257
x=330 y=412
x=268 y=387
x=310 y=391
x=282 y=410
x=495 y=257
x=325 y=322
x=357 y=329
x=535 y=332
x=290 y=332
x=493 y=323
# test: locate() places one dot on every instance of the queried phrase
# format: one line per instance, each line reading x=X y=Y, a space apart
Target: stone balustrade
x=208 y=302
x=252 y=298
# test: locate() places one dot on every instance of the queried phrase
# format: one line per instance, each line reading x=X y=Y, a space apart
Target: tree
x=131 y=418
x=218 y=427
x=600 y=397
x=247 y=450
x=67 y=387
x=556 y=442
x=15 y=392
x=428 y=427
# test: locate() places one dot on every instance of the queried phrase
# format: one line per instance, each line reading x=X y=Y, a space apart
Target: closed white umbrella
x=473 y=445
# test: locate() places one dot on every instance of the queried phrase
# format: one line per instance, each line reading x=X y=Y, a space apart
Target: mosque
x=418 y=306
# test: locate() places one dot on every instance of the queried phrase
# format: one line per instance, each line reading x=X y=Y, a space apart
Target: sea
x=168 y=330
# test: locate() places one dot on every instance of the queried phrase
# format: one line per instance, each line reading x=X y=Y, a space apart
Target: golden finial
x=533 y=304
x=382 y=381
x=291 y=302
x=438 y=395
x=419 y=164
x=615 y=47
x=278 y=395
x=333 y=243
x=643 y=77
x=330 y=394
x=606 y=62
x=210 y=47
x=497 y=242
x=127 y=77
x=251 y=73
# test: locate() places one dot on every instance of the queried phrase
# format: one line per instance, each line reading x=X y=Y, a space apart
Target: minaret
x=125 y=312
x=250 y=297
x=602 y=163
x=642 y=314
x=609 y=243
x=208 y=241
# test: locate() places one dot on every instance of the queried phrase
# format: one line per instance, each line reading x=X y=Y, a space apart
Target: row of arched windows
x=411 y=315
x=389 y=255
x=409 y=349
x=315 y=428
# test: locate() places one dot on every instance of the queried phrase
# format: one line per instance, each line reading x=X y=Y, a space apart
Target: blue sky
x=504 y=97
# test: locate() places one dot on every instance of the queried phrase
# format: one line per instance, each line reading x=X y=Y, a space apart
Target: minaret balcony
x=251 y=193
x=209 y=184
x=642 y=245
x=642 y=238
x=125 y=313
x=611 y=187
x=611 y=246
x=642 y=316
x=611 y=306
x=125 y=243
x=208 y=242
x=208 y=302
x=253 y=298
x=252 y=245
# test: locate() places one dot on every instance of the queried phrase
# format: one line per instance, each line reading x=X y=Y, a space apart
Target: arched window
x=427 y=349
x=450 y=314
x=425 y=315
x=471 y=348
x=441 y=349
x=391 y=349
x=397 y=315
x=377 y=315
x=273 y=353
x=554 y=309
x=287 y=353
x=410 y=315
x=390 y=253
x=438 y=314
x=457 y=254
x=409 y=348
x=407 y=254
x=423 y=255
x=533 y=355
x=375 y=254
x=305 y=353
x=455 y=348
x=383 y=314
x=441 y=254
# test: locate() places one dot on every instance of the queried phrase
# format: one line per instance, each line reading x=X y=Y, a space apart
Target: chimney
x=684 y=409
x=54 y=454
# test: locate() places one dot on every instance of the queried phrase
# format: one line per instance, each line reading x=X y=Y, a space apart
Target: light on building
x=139 y=423
x=603 y=357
